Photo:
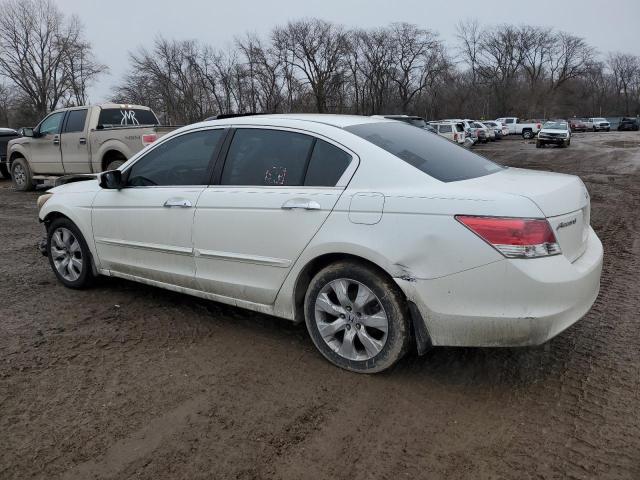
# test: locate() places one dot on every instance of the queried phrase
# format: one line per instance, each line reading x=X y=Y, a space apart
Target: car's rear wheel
x=357 y=317
x=527 y=134
x=69 y=255
x=21 y=175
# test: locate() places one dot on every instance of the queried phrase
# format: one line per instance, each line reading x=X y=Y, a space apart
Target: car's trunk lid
x=563 y=199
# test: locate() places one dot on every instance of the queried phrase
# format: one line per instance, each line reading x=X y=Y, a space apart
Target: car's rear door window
x=75 y=121
x=267 y=157
x=431 y=154
x=327 y=165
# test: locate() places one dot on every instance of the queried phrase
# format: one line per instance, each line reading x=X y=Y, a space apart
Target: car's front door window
x=51 y=124
x=183 y=160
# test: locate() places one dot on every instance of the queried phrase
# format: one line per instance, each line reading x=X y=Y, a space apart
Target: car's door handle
x=83 y=141
x=56 y=140
x=178 y=202
x=301 y=203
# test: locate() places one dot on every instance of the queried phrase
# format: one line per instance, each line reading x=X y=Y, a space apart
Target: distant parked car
x=577 y=125
x=478 y=133
x=598 y=124
x=518 y=127
x=489 y=132
x=627 y=123
x=6 y=134
x=453 y=131
x=555 y=132
x=497 y=128
x=469 y=129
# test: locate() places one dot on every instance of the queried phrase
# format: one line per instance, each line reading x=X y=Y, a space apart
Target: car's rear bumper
x=509 y=302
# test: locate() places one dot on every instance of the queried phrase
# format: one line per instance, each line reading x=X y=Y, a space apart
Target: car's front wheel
x=357 y=317
x=21 y=175
x=69 y=255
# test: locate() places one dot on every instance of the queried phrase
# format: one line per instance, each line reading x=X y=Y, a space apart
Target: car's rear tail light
x=149 y=138
x=514 y=237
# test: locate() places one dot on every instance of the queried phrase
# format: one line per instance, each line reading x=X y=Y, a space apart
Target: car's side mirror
x=111 y=180
x=27 y=132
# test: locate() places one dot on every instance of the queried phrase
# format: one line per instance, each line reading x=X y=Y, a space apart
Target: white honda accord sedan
x=377 y=234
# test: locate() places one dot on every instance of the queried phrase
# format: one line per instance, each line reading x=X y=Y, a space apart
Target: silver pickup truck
x=80 y=140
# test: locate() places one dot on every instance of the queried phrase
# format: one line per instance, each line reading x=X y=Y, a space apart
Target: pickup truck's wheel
x=21 y=175
x=527 y=134
x=69 y=255
x=115 y=164
x=356 y=317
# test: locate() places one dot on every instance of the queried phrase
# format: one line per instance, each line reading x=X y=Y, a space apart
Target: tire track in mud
x=598 y=365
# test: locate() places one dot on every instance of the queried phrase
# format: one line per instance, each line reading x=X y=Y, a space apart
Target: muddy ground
x=129 y=381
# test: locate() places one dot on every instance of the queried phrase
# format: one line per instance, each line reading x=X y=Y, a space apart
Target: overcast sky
x=116 y=27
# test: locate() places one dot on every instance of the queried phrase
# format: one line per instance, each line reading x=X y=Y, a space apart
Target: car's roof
x=340 y=121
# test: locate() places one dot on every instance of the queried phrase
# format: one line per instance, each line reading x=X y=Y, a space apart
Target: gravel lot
x=129 y=381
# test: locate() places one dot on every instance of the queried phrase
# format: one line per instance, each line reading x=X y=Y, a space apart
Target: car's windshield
x=555 y=126
x=431 y=154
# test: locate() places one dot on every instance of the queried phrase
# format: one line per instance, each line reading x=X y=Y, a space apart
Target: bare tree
x=316 y=49
x=626 y=75
x=40 y=53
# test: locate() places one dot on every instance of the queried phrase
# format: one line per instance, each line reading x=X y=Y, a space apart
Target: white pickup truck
x=516 y=127
x=80 y=140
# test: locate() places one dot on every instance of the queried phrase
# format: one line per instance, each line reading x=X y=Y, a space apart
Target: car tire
x=69 y=255
x=21 y=175
x=353 y=300
x=527 y=134
x=115 y=164
x=4 y=171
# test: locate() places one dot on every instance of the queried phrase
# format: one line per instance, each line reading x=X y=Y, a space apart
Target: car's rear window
x=433 y=155
x=120 y=117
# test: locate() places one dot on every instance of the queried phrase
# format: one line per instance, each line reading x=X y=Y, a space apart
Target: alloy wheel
x=351 y=319
x=19 y=175
x=66 y=254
